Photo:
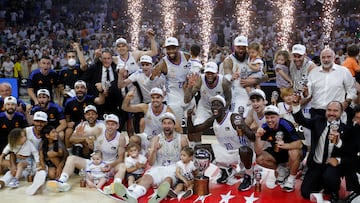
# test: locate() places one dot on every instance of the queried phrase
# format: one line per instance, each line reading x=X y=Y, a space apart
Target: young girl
x=24 y=152
x=287 y=95
x=135 y=163
x=53 y=152
x=95 y=177
x=185 y=169
x=282 y=61
x=255 y=63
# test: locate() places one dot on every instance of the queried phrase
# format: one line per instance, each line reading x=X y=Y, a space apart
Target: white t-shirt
x=130 y=162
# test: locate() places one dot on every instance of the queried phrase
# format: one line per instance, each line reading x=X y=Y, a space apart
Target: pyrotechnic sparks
x=243 y=12
x=168 y=12
x=135 y=13
x=286 y=8
x=328 y=18
x=206 y=10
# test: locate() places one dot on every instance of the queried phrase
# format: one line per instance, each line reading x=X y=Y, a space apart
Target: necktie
x=326 y=147
x=107 y=75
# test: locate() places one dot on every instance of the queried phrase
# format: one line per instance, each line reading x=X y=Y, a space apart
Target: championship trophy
x=274 y=97
x=279 y=136
x=334 y=127
x=202 y=161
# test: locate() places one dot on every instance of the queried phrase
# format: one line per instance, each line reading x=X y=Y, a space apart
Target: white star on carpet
x=251 y=199
x=226 y=198
x=202 y=198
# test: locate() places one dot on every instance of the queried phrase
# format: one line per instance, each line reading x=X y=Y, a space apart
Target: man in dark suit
x=104 y=72
x=350 y=160
x=324 y=157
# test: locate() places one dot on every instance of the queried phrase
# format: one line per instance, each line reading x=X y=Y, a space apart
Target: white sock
x=7 y=178
x=138 y=191
x=64 y=177
x=291 y=177
x=117 y=180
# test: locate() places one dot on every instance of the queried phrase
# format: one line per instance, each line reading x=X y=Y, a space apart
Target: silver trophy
x=279 y=136
x=303 y=82
x=274 y=97
x=244 y=73
x=202 y=161
x=334 y=127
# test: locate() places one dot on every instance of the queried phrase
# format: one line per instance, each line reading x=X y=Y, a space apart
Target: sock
x=117 y=180
x=291 y=177
x=63 y=177
x=138 y=191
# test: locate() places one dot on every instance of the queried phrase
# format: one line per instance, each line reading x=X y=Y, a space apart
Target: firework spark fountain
x=286 y=8
x=168 y=13
x=135 y=13
x=328 y=19
x=243 y=13
x=206 y=10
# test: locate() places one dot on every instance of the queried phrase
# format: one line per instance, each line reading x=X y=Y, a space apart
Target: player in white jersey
x=234 y=141
x=176 y=68
x=129 y=59
x=165 y=152
x=153 y=111
x=110 y=142
x=255 y=117
x=234 y=70
x=208 y=84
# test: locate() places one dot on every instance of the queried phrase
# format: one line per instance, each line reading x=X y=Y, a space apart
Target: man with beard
x=10 y=119
x=72 y=72
x=86 y=131
x=286 y=146
x=55 y=113
x=330 y=82
x=164 y=153
x=153 y=111
x=74 y=109
x=176 y=68
x=43 y=78
x=234 y=66
x=5 y=91
x=208 y=84
x=234 y=139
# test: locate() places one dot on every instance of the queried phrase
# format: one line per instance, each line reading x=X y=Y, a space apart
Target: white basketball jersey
x=30 y=135
x=152 y=121
x=227 y=136
x=169 y=152
x=206 y=92
x=130 y=65
x=109 y=148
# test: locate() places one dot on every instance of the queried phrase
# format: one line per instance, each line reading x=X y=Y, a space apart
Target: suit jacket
x=317 y=126
x=351 y=149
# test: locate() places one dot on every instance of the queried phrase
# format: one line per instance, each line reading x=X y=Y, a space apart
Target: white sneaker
x=57 y=186
x=122 y=192
x=109 y=190
x=161 y=193
x=14 y=183
x=288 y=186
x=271 y=180
x=283 y=173
x=39 y=180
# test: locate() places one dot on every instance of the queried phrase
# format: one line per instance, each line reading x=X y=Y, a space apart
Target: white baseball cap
x=258 y=92
x=40 y=116
x=218 y=98
x=80 y=82
x=241 y=41
x=90 y=108
x=146 y=59
x=171 y=41
x=111 y=117
x=211 y=67
x=121 y=41
x=10 y=99
x=43 y=91
x=271 y=109
x=168 y=115
x=156 y=90
x=298 y=49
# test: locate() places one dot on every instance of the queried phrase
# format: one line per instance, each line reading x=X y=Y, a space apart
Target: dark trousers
x=351 y=179
x=321 y=176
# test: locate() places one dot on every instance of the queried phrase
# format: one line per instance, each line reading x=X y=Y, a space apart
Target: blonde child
x=135 y=163
x=95 y=175
x=255 y=63
x=282 y=63
x=287 y=95
x=185 y=169
x=24 y=154
x=52 y=152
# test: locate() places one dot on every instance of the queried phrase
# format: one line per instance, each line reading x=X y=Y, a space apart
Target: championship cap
x=90 y=108
x=171 y=41
x=271 y=109
x=146 y=59
x=257 y=92
x=111 y=117
x=211 y=67
x=40 y=116
x=298 y=49
x=218 y=98
x=168 y=115
x=43 y=91
x=121 y=41
x=10 y=99
x=241 y=41
x=156 y=90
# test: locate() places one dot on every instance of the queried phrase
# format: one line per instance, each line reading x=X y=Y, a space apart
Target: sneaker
x=2 y=184
x=122 y=192
x=225 y=175
x=172 y=193
x=282 y=174
x=353 y=197
x=39 y=180
x=289 y=185
x=57 y=186
x=161 y=193
x=109 y=190
x=14 y=183
x=246 y=183
x=187 y=194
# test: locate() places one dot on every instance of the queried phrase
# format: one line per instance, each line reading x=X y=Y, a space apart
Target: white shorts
x=224 y=156
x=201 y=115
x=159 y=173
